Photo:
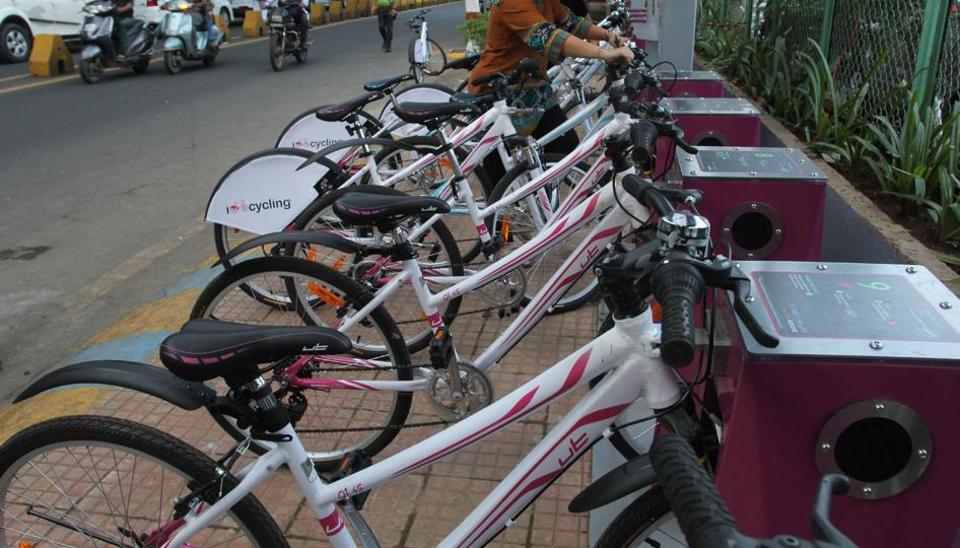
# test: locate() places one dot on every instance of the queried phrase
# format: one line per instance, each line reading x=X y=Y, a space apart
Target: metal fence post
x=826 y=26
x=929 y=50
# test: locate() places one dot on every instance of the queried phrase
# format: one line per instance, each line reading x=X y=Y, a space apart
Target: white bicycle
x=104 y=481
x=425 y=55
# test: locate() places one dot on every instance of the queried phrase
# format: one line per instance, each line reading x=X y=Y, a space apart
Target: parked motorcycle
x=184 y=37
x=101 y=49
x=285 y=36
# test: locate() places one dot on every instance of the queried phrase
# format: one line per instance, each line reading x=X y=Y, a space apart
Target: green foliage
x=475 y=30
x=917 y=162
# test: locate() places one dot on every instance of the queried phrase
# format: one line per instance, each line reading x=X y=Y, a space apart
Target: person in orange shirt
x=545 y=30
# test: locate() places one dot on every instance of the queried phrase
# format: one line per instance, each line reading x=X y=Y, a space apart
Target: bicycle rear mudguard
x=302 y=236
x=147 y=379
x=266 y=191
x=627 y=478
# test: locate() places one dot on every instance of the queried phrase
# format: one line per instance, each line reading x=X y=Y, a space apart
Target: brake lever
x=740 y=284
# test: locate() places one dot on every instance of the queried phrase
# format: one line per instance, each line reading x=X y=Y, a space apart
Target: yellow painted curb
x=253 y=25
x=222 y=25
x=164 y=315
x=58 y=403
x=50 y=56
x=316 y=14
x=456 y=54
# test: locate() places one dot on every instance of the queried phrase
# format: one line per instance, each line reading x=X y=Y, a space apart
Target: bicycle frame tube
x=635 y=371
x=585 y=113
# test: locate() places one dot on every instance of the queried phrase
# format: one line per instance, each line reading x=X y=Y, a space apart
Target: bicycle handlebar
x=703 y=515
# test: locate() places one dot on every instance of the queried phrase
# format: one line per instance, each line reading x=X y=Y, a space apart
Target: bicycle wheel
x=515 y=224
x=338 y=421
x=64 y=481
x=437 y=254
x=647 y=521
x=436 y=60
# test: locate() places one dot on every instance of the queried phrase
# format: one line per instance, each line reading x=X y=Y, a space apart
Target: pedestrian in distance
x=386 y=14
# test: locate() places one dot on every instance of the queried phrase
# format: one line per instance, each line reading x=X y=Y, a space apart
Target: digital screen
x=769 y=163
x=842 y=306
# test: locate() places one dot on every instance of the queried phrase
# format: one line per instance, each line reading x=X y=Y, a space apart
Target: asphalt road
x=104 y=187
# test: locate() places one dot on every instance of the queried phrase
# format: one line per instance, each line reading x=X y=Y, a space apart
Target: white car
x=21 y=20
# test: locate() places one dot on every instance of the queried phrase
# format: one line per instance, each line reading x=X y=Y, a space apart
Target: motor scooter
x=185 y=37
x=101 y=49
x=285 y=36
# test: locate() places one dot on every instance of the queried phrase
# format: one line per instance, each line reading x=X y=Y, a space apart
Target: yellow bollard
x=350 y=10
x=253 y=25
x=223 y=26
x=316 y=14
x=50 y=56
x=335 y=12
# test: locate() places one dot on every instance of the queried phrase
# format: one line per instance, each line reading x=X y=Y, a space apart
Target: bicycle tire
x=433 y=68
x=636 y=521
x=148 y=441
x=566 y=303
x=233 y=277
x=421 y=339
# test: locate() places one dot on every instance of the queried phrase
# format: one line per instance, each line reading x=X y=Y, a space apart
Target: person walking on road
x=386 y=13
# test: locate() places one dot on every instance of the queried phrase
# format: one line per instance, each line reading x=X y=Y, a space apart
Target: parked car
x=21 y=20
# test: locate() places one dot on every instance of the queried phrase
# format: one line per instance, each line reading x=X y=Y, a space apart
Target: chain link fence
x=948 y=77
x=873 y=41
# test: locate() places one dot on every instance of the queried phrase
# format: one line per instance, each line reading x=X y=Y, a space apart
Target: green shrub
x=475 y=30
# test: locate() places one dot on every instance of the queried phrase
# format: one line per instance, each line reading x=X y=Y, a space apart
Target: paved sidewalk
x=417 y=510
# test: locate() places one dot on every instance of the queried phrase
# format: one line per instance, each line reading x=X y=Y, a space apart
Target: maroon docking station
x=709 y=122
x=765 y=203
x=864 y=383
x=691 y=83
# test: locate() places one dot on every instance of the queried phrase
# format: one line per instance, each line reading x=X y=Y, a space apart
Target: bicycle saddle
x=430 y=114
x=387 y=84
x=206 y=349
x=340 y=111
x=467 y=63
x=385 y=211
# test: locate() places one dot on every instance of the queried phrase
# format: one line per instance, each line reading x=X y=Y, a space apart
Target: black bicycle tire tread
x=636 y=518
x=379 y=315
x=140 y=437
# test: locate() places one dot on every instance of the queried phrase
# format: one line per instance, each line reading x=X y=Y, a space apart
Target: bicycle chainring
x=476 y=393
x=506 y=291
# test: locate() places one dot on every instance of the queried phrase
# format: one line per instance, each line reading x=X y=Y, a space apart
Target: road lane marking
x=17 y=77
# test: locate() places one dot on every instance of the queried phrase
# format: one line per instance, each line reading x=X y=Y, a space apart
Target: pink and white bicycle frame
x=581 y=206
x=627 y=352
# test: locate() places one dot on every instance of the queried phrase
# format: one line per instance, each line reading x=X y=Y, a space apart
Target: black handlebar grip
x=647 y=194
x=703 y=516
x=678 y=287
x=643 y=135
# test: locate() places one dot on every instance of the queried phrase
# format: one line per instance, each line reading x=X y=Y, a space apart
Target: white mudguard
x=424 y=93
x=265 y=192
x=307 y=132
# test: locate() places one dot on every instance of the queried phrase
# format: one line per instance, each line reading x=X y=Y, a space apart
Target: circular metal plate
x=906 y=418
x=776 y=234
